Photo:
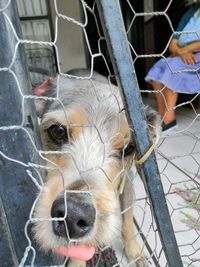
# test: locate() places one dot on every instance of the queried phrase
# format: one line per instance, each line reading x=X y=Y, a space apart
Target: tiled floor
x=178 y=158
x=181 y=153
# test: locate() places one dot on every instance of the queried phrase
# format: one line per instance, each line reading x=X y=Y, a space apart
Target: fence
x=23 y=161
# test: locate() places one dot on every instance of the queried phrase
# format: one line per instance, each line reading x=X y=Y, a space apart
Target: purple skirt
x=176 y=75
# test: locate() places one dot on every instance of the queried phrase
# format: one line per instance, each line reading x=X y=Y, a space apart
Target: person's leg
x=166 y=101
x=171 y=99
x=161 y=103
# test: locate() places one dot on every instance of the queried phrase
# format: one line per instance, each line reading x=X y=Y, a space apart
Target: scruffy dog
x=80 y=207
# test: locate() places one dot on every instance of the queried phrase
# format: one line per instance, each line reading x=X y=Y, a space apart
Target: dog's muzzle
x=74 y=218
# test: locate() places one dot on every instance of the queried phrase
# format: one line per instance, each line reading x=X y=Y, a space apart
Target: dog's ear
x=44 y=89
x=154 y=122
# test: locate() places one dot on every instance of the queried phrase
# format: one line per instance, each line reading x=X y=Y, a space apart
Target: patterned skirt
x=173 y=73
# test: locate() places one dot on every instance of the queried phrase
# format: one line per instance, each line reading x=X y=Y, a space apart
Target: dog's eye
x=129 y=150
x=57 y=133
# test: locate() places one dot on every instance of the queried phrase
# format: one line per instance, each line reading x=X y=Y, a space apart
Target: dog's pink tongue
x=84 y=253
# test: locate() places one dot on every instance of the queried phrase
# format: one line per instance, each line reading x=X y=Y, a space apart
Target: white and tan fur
x=91 y=160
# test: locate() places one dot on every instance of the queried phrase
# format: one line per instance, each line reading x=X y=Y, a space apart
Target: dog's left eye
x=57 y=133
x=129 y=150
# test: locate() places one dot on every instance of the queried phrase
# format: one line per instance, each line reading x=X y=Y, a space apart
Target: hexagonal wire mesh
x=177 y=155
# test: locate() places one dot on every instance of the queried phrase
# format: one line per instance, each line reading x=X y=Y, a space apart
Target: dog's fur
x=94 y=156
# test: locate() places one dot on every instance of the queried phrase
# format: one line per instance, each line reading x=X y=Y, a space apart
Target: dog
x=92 y=149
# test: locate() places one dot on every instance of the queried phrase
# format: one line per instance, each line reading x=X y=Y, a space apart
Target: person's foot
x=168 y=126
x=169 y=116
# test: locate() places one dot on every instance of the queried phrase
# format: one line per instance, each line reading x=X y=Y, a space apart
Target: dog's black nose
x=79 y=218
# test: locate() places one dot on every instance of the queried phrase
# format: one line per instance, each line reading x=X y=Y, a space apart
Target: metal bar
x=17 y=191
x=115 y=34
x=39 y=17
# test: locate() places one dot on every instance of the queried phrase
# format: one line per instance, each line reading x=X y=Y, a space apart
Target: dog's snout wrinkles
x=78 y=219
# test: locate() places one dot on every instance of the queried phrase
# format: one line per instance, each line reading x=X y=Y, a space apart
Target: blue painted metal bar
x=17 y=191
x=115 y=34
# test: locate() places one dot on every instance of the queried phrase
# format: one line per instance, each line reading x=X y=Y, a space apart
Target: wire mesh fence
x=70 y=166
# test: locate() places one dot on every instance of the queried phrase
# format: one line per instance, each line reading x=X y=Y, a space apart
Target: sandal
x=168 y=126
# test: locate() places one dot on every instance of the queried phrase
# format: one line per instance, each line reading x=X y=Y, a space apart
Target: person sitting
x=179 y=73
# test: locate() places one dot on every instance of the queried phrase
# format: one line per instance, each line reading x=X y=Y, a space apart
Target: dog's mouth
x=74 y=220
x=77 y=224
x=78 y=252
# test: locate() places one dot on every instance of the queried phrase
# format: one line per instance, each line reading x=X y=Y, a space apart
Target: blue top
x=190 y=21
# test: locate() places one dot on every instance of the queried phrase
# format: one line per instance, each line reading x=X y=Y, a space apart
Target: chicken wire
x=177 y=157
x=179 y=166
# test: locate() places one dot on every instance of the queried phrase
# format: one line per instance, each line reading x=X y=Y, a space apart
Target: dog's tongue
x=78 y=252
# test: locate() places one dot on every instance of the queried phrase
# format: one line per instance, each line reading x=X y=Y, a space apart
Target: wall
x=70 y=37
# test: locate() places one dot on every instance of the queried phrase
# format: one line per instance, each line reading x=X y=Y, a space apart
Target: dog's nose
x=79 y=218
